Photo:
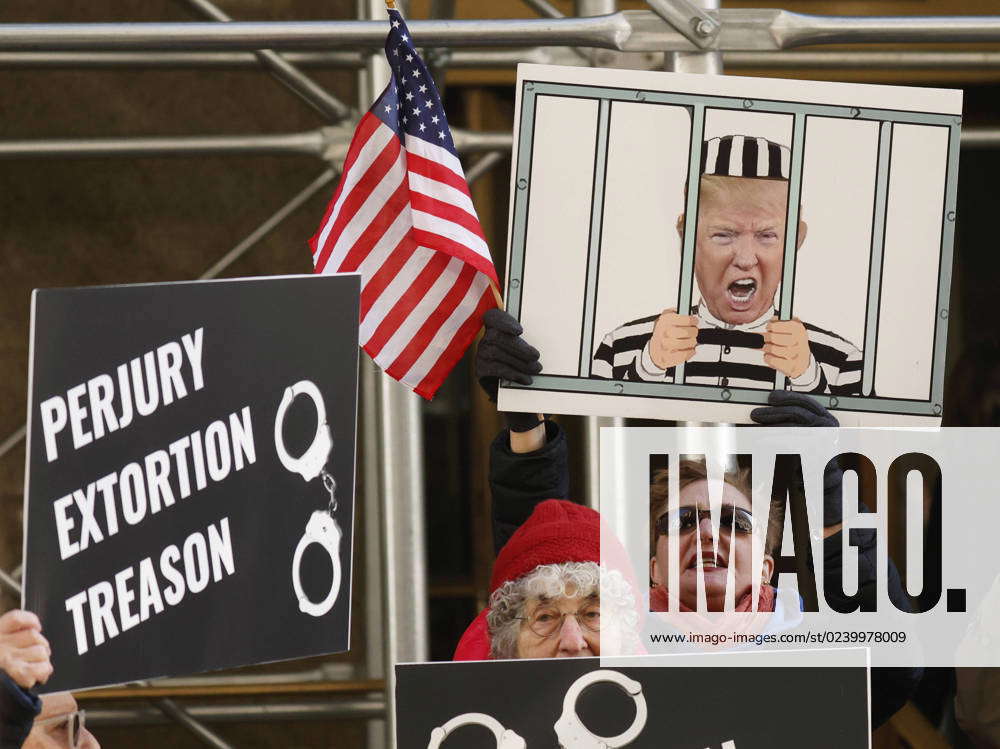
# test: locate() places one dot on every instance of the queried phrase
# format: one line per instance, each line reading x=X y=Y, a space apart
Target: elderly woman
x=548 y=598
x=691 y=524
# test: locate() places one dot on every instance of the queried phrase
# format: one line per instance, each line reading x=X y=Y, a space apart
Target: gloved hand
x=503 y=353
x=791 y=409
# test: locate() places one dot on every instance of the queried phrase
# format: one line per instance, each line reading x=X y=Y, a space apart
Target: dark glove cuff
x=521 y=422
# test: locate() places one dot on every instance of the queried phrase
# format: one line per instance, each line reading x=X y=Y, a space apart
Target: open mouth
x=741 y=292
x=708 y=561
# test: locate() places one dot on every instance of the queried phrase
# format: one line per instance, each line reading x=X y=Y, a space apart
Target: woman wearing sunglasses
x=691 y=524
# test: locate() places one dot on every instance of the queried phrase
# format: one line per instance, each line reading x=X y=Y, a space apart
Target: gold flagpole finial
x=390 y=4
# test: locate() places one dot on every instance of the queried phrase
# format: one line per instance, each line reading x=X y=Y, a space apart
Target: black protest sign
x=190 y=474
x=574 y=702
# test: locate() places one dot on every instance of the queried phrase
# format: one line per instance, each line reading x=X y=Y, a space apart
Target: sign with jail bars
x=854 y=265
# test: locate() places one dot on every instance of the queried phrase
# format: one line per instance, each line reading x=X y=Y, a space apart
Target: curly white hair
x=565 y=579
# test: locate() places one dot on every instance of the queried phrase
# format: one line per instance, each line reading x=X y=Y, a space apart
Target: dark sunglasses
x=685 y=519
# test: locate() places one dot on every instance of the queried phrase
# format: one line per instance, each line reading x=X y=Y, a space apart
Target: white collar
x=713 y=321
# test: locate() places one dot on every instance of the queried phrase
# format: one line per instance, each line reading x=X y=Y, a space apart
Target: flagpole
x=496 y=295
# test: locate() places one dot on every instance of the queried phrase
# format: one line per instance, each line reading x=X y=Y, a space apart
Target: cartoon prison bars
x=322 y=526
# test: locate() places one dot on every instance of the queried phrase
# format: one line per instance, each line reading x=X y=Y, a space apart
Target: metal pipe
x=863 y=59
x=372 y=499
x=7 y=581
x=706 y=62
x=329 y=671
x=287 y=35
x=324 y=710
x=244 y=60
x=625 y=31
x=502 y=58
x=797 y=29
x=325 y=142
x=484 y=165
x=14 y=439
x=195 y=727
x=981 y=137
x=399 y=440
x=308 y=144
x=291 y=77
x=148 y=691
x=404 y=549
x=271 y=223
x=692 y=21
x=438 y=59
x=544 y=8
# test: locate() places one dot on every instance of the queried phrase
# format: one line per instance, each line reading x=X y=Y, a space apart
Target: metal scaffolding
x=672 y=34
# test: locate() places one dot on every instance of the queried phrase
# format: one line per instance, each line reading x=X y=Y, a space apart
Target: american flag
x=403 y=218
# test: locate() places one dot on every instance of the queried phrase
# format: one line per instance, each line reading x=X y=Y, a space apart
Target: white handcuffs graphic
x=314 y=458
x=322 y=527
x=571 y=731
x=505 y=738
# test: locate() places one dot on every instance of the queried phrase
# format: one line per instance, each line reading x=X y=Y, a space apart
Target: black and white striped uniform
x=730 y=355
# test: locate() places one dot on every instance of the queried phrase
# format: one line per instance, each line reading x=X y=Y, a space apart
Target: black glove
x=502 y=353
x=791 y=409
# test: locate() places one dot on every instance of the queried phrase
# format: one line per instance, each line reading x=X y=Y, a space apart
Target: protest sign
x=789 y=539
x=190 y=474
x=684 y=702
x=680 y=245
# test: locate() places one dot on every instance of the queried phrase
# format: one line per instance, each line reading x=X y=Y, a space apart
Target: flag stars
x=428 y=105
x=409 y=96
x=416 y=73
x=416 y=110
x=395 y=24
x=409 y=58
x=434 y=119
x=405 y=120
x=441 y=134
x=422 y=127
x=405 y=38
x=388 y=108
x=423 y=89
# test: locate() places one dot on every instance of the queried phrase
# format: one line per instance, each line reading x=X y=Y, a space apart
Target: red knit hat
x=557 y=531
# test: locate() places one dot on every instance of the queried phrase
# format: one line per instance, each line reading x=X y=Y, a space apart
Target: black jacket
x=518 y=482
x=18 y=708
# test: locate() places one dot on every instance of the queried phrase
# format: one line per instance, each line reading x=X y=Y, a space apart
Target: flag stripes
x=402 y=217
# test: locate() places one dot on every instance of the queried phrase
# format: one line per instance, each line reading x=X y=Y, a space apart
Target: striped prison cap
x=745 y=156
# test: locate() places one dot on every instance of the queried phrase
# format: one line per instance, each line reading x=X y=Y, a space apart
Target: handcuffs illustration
x=570 y=730
x=322 y=527
x=505 y=738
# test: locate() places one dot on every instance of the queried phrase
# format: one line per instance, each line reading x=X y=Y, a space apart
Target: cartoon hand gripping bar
x=571 y=731
x=322 y=527
x=505 y=738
